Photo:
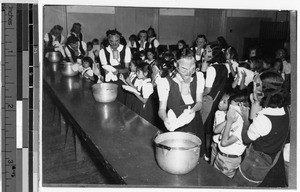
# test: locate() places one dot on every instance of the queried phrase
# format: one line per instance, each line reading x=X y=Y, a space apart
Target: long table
x=120 y=139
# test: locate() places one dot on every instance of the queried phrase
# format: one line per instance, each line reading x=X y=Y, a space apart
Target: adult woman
x=116 y=55
x=54 y=40
x=267 y=134
x=183 y=95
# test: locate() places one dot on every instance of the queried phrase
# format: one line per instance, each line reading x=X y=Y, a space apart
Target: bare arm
x=219 y=128
x=226 y=138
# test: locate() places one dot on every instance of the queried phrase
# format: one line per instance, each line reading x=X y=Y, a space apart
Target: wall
x=234 y=25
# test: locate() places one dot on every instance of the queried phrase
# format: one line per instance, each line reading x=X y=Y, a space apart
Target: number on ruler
x=10 y=105
x=10 y=161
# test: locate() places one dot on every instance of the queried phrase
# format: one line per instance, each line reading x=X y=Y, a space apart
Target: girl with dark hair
x=73 y=52
x=198 y=47
x=216 y=80
x=181 y=44
x=152 y=38
x=142 y=43
x=223 y=44
x=54 y=41
x=150 y=56
x=76 y=32
x=263 y=165
x=143 y=90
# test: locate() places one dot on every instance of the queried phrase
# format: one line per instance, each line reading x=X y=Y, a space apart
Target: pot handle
x=158 y=144
x=163 y=146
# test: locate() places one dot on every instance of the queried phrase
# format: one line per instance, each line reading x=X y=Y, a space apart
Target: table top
x=123 y=138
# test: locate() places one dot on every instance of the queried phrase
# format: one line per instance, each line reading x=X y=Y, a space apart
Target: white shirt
x=286 y=67
x=114 y=62
x=261 y=125
x=210 y=76
x=163 y=86
x=234 y=66
x=142 y=45
x=249 y=75
x=198 y=57
x=146 y=85
x=156 y=43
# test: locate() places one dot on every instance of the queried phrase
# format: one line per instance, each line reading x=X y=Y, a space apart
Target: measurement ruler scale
x=19 y=45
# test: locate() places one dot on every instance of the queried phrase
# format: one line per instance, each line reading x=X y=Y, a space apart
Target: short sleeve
x=260 y=126
x=127 y=55
x=102 y=57
x=147 y=90
x=210 y=76
x=163 y=88
x=200 y=82
x=83 y=45
x=46 y=37
x=237 y=128
x=156 y=43
x=220 y=117
x=67 y=51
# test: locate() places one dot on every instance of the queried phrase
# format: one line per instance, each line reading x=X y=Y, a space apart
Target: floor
x=59 y=163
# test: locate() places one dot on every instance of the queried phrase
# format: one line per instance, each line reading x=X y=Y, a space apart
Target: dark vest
x=74 y=57
x=152 y=44
x=220 y=80
x=80 y=42
x=272 y=143
x=138 y=45
x=175 y=101
x=51 y=39
x=122 y=58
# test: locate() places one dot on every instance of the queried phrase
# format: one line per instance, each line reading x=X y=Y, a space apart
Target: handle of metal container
x=163 y=146
x=158 y=144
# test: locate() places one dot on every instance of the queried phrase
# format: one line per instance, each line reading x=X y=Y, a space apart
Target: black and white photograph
x=161 y=96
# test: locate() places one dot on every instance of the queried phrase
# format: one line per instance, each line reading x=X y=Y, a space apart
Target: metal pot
x=105 y=92
x=54 y=56
x=67 y=70
x=177 y=152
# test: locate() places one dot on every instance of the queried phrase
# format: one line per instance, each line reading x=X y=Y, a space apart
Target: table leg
x=78 y=147
x=63 y=124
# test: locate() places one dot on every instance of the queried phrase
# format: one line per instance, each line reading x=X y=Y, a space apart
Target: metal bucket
x=105 y=92
x=67 y=70
x=177 y=152
x=54 y=56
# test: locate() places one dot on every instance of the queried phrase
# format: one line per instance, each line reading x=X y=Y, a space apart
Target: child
x=151 y=56
x=54 y=40
x=142 y=43
x=219 y=123
x=198 y=47
x=73 y=51
x=96 y=49
x=86 y=69
x=144 y=90
x=89 y=51
x=153 y=42
x=230 y=143
x=231 y=60
x=131 y=80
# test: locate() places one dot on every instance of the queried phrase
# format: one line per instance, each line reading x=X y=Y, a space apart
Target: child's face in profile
x=180 y=45
x=223 y=105
x=89 y=47
x=277 y=66
x=132 y=67
x=85 y=64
